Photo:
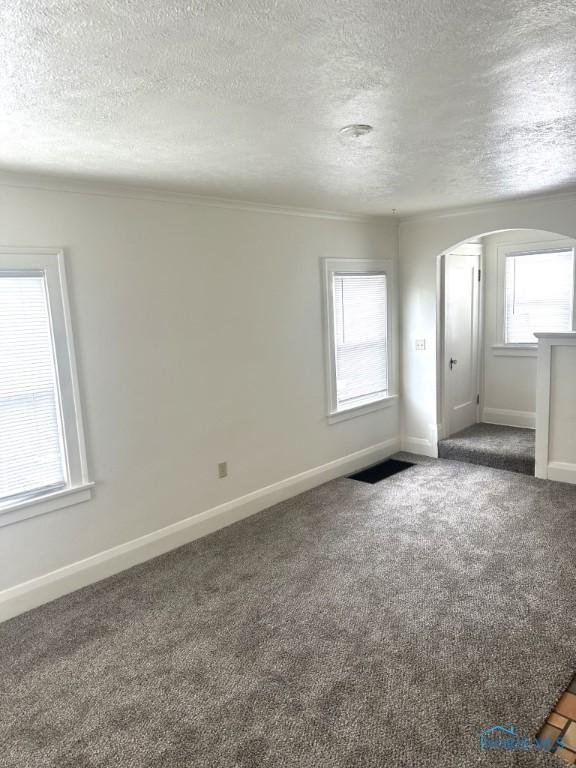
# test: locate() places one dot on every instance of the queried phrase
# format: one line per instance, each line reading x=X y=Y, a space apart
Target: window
x=539 y=294
x=357 y=309
x=42 y=461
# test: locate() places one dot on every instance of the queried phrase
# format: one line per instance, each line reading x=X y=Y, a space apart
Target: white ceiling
x=470 y=101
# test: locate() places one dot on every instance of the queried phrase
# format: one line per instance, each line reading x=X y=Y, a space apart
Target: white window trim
x=501 y=348
x=51 y=262
x=515 y=350
x=355 y=266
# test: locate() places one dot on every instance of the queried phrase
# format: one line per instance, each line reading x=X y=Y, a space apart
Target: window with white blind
x=539 y=294
x=358 y=328
x=42 y=461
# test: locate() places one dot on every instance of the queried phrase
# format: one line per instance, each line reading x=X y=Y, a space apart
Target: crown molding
x=455 y=211
x=82 y=186
x=47 y=183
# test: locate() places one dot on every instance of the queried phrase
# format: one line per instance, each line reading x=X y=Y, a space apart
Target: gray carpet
x=355 y=625
x=492 y=445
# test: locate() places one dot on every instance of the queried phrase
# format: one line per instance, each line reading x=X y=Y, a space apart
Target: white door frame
x=465 y=249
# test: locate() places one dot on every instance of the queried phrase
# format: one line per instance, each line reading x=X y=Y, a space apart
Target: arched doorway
x=493 y=291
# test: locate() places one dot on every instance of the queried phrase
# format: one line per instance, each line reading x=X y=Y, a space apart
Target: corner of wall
x=425 y=446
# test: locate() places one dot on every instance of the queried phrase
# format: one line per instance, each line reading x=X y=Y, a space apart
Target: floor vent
x=381 y=471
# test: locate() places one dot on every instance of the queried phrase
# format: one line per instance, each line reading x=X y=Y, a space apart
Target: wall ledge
x=514 y=350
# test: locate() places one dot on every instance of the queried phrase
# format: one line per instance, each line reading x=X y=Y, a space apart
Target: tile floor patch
x=558 y=721
x=569 y=738
x=549 y=734
x=566 y=755
x=562 y=722
x=567 y=706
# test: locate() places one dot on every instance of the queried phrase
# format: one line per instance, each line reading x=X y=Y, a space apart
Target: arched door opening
x=495 y=291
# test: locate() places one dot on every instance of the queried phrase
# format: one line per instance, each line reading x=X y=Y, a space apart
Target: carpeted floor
x=355 y=626
x=492 y=445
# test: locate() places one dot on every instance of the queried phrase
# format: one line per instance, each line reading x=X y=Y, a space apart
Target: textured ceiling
x=470 y=101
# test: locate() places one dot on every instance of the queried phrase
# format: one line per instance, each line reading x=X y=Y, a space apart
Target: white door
x=462 y=293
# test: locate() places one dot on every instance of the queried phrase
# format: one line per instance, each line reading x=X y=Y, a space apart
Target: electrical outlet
x=223 y=469
x=420 y=344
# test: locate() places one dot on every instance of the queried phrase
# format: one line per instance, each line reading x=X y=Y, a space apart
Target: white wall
x=422 y=239
x=562 y=430
x=509 y=386
x=199 y=339
x=556 y=407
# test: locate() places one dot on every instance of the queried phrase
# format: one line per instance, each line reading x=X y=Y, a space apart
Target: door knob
x=452 y=363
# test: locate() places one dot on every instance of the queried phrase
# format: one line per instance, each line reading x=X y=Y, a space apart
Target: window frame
x=51 y=262
x=527 y=349
x=331 y=266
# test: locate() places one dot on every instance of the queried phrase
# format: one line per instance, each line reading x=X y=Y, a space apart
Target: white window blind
x=539 y=294
x=360 y=343
x=32 y=458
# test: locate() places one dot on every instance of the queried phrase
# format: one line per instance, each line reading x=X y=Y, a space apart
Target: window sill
x=361 y=410
x=43 y=504
x=515 y=350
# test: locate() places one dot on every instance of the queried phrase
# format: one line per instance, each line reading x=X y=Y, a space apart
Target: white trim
x=110 y=188
x=50 y=502
x=562 y=471
x=330 y=266
x=441 y=343
x=68 y=185
x=521 y=248
x=420 y=445
x=51 y=263
x=442 y=380
x=493 y=205
x=434 y=435
x=43 y=589
x=543 y=397
x=543 y=371
x=514 y=350
x=466 y=249
x=361 y=410
x=509 y=418
x=565 y=336
x=481 y=332
x=439 y=432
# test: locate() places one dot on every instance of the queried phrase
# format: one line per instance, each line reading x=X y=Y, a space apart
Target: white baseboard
x=562 y=471
x=420 y=445
x=509 y=418
x=43 y=589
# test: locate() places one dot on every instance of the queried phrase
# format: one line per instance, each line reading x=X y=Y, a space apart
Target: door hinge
x=479 y=275
x=477 y=399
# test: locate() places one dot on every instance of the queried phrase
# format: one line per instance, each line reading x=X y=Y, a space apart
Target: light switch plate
x=420 y=344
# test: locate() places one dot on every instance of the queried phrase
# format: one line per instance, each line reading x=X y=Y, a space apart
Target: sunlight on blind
x=539 y=291
x=31 y=445
x=360 y=329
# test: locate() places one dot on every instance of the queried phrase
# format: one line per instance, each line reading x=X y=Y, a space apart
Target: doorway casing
x=472 y=262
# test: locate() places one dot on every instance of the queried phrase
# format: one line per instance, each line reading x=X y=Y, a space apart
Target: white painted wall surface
x=421 y=240
x=556 y=407
x=198 y=332
x=562 y=437
x=509 y=385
